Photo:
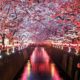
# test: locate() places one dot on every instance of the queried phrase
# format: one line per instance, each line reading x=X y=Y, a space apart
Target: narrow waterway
x=39 y=67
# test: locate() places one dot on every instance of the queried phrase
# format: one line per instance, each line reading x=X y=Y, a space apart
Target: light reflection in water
x=43 y=70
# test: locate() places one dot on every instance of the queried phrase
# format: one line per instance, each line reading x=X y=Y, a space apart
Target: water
x=39 y=67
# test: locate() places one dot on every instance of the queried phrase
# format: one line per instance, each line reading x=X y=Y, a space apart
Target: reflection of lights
x=76 y=52
x=52 y=69
x=28 y=67
x=0 y=51
x=40 y=60
x=26 y=73
x=69 y=49
x=13 y=49
x=0 y=56
x=54 y=73
x=42 y=67
x=78 y=65
x=33 y=56
x=45 y=55
x=8 y=53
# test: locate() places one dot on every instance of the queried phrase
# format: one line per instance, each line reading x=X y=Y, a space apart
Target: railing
x=69 y=47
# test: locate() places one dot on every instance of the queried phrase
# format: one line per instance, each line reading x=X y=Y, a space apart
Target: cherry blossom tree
x=39 y=19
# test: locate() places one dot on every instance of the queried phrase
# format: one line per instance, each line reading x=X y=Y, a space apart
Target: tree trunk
x=3 y=38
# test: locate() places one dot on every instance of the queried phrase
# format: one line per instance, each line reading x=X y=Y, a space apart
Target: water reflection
x=39 y=67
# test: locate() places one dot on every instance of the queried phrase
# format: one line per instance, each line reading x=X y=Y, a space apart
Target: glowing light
x=6 y=41
x=28 y=68
x=13 y=49
x=0 y=56
x=54 y=73
x=42 y=67
x=69 y=49
x=52 y=70
x=8 y=53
